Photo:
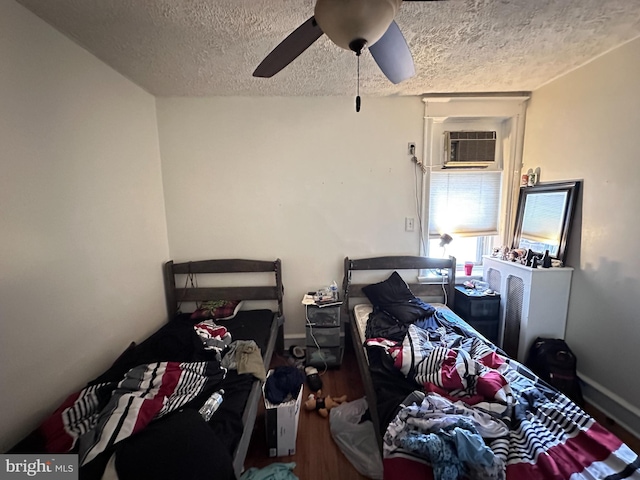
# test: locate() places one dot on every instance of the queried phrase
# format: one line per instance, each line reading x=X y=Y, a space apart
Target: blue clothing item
x=283 y=384
x=452 y=450
x=440 y=452
x=427 y=323
x=471 y=448
x=275 y=471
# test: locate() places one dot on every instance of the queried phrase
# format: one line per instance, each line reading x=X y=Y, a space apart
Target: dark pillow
x=409 y=311
x=393 y=290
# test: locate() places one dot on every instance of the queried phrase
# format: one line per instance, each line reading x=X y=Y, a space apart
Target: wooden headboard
x=430 y=288
x=176 y=295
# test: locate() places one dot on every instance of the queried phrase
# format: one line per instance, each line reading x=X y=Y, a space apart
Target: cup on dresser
x=468 y=268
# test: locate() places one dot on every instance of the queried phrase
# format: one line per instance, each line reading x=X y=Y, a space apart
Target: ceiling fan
x=352 y=25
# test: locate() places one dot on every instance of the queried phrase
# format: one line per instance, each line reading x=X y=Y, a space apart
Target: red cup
x=468 y=268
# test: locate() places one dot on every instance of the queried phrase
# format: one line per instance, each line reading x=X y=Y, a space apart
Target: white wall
x=308 y=180
x=585 y=126
x=83 y=231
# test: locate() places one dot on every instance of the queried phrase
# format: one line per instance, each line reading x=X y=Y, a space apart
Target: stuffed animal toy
x=323 y=404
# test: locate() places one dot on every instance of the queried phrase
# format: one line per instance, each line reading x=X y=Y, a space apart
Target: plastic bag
x=356 y=440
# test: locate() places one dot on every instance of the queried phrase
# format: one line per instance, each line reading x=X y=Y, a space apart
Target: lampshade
x=346 y=21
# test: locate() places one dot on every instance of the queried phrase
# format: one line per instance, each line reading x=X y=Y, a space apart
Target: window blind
x=464 y=203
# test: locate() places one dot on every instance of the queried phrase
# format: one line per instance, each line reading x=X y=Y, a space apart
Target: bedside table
x=479 y=310
x=324 y=335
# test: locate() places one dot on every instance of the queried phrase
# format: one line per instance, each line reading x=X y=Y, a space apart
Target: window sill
x=476 y=274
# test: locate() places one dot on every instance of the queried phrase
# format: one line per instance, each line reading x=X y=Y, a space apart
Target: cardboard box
x=282 y=424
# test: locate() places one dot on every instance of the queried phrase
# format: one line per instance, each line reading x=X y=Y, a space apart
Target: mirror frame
x=572 y=188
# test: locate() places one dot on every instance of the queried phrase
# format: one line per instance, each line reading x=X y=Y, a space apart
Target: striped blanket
x=450 y=364
x=99 y=416
x=533 y=431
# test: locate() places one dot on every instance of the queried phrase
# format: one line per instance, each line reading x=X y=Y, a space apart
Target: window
x=465 y=205
x=472 y=202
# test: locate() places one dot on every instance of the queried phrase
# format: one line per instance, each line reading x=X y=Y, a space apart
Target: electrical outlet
x=411 y=148
x=409 y=224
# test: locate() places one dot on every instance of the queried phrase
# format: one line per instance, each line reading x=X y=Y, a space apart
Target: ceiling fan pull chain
x=358 y=85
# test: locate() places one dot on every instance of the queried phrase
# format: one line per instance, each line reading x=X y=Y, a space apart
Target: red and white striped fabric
x=101 y=415
x=213 y=336
x=557 y=441
x=547 y=435
x=453 y=366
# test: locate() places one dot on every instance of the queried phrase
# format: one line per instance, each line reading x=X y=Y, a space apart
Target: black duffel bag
x=554 y=362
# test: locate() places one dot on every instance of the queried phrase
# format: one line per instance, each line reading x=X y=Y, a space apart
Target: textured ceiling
x=211 y=47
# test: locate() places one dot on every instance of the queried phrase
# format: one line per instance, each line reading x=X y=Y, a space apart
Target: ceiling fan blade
x=393 y=56
x=289 y=49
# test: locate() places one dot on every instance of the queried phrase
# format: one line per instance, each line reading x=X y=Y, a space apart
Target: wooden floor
x=318 y=456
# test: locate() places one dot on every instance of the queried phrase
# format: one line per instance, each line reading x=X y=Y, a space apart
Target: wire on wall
x=190 y=280
x=417 y=191
x=444 y=290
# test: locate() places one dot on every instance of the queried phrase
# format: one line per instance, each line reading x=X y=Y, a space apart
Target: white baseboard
x=291 y=339
x=611 y=404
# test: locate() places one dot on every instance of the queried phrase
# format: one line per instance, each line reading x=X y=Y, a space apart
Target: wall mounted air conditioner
x=469 y=149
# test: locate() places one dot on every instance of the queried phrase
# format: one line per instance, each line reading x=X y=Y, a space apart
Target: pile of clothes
x=241 y=355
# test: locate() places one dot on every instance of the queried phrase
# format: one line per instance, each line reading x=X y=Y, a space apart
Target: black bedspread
x=182 y=439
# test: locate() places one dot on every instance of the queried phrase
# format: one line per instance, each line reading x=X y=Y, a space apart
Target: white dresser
x=533 y=302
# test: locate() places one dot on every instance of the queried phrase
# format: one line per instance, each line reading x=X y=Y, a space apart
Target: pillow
x=217 y=309
x=393 y=290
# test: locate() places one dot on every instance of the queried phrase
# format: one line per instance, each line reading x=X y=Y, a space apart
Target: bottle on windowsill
x=546 y=260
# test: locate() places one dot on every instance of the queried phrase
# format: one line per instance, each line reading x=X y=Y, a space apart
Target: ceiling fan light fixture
x=348 y=23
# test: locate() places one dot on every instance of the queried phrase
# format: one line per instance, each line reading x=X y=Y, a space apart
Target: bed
x=446 y=402
x=140 y=419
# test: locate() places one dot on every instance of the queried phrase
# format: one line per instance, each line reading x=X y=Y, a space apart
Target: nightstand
x=479 y=310
x=324 y=335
